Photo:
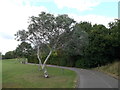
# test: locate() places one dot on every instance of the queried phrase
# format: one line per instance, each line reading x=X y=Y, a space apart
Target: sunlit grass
x=16 y=75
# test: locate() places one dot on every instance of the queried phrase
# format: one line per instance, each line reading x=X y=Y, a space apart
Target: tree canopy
x=62 y=41
x=48 y=30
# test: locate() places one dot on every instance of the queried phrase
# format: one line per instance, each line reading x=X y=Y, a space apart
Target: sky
x=14 y=15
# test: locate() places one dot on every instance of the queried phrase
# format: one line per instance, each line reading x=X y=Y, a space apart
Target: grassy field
x=111 y=69
x=16 y=75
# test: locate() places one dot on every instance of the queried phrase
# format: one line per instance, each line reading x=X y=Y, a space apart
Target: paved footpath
x=92 y=79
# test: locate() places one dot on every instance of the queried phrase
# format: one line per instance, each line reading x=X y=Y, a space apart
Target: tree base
x=46 y=76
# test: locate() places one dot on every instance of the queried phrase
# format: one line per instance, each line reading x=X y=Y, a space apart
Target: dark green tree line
x=75 y=44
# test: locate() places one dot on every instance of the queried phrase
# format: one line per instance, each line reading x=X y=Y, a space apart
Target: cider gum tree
x=47 y=30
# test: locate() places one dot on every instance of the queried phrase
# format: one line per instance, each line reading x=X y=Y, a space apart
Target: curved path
x=92 y=79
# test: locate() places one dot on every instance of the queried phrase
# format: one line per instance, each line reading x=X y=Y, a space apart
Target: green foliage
x=77 y=42
x=83 y=63
x=96 y=44
x=56 y=59
x=86 y=26
x=32 y=59
x=9 y=55
x=102 y=48
x=24 y=50
x=103 y=45
x=80 y=63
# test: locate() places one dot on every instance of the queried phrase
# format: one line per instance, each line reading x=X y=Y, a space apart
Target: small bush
x=80 y=63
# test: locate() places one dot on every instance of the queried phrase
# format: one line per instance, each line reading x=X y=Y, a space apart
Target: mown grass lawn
x=16 y=75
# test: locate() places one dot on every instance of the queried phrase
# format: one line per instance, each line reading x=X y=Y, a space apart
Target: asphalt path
x=92 y=79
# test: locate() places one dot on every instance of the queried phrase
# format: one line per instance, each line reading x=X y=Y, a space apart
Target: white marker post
x=0 y=71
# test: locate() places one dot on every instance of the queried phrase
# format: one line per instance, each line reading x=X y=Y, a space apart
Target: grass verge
x=110 y=69
x=16 y=75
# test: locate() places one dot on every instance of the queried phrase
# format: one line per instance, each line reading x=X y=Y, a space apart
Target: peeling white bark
x=38 y=56
x=43 y=66
x=46 y=59
x=45 y=73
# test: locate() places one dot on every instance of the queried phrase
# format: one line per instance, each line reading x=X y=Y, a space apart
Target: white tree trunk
x=45 y=72
x=38 y=56
x=44 y=64
x=46 y=59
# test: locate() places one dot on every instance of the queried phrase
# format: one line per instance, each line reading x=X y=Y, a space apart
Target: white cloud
x=7 y=45
x=81 y=5
x=107 y=1
x=94 y=19
x=14 y=17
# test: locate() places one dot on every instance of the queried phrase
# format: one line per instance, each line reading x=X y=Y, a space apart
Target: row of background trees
x=88 y=46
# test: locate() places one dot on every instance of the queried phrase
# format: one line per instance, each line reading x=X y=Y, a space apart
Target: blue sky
x=104 y=8
x=15 y=13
